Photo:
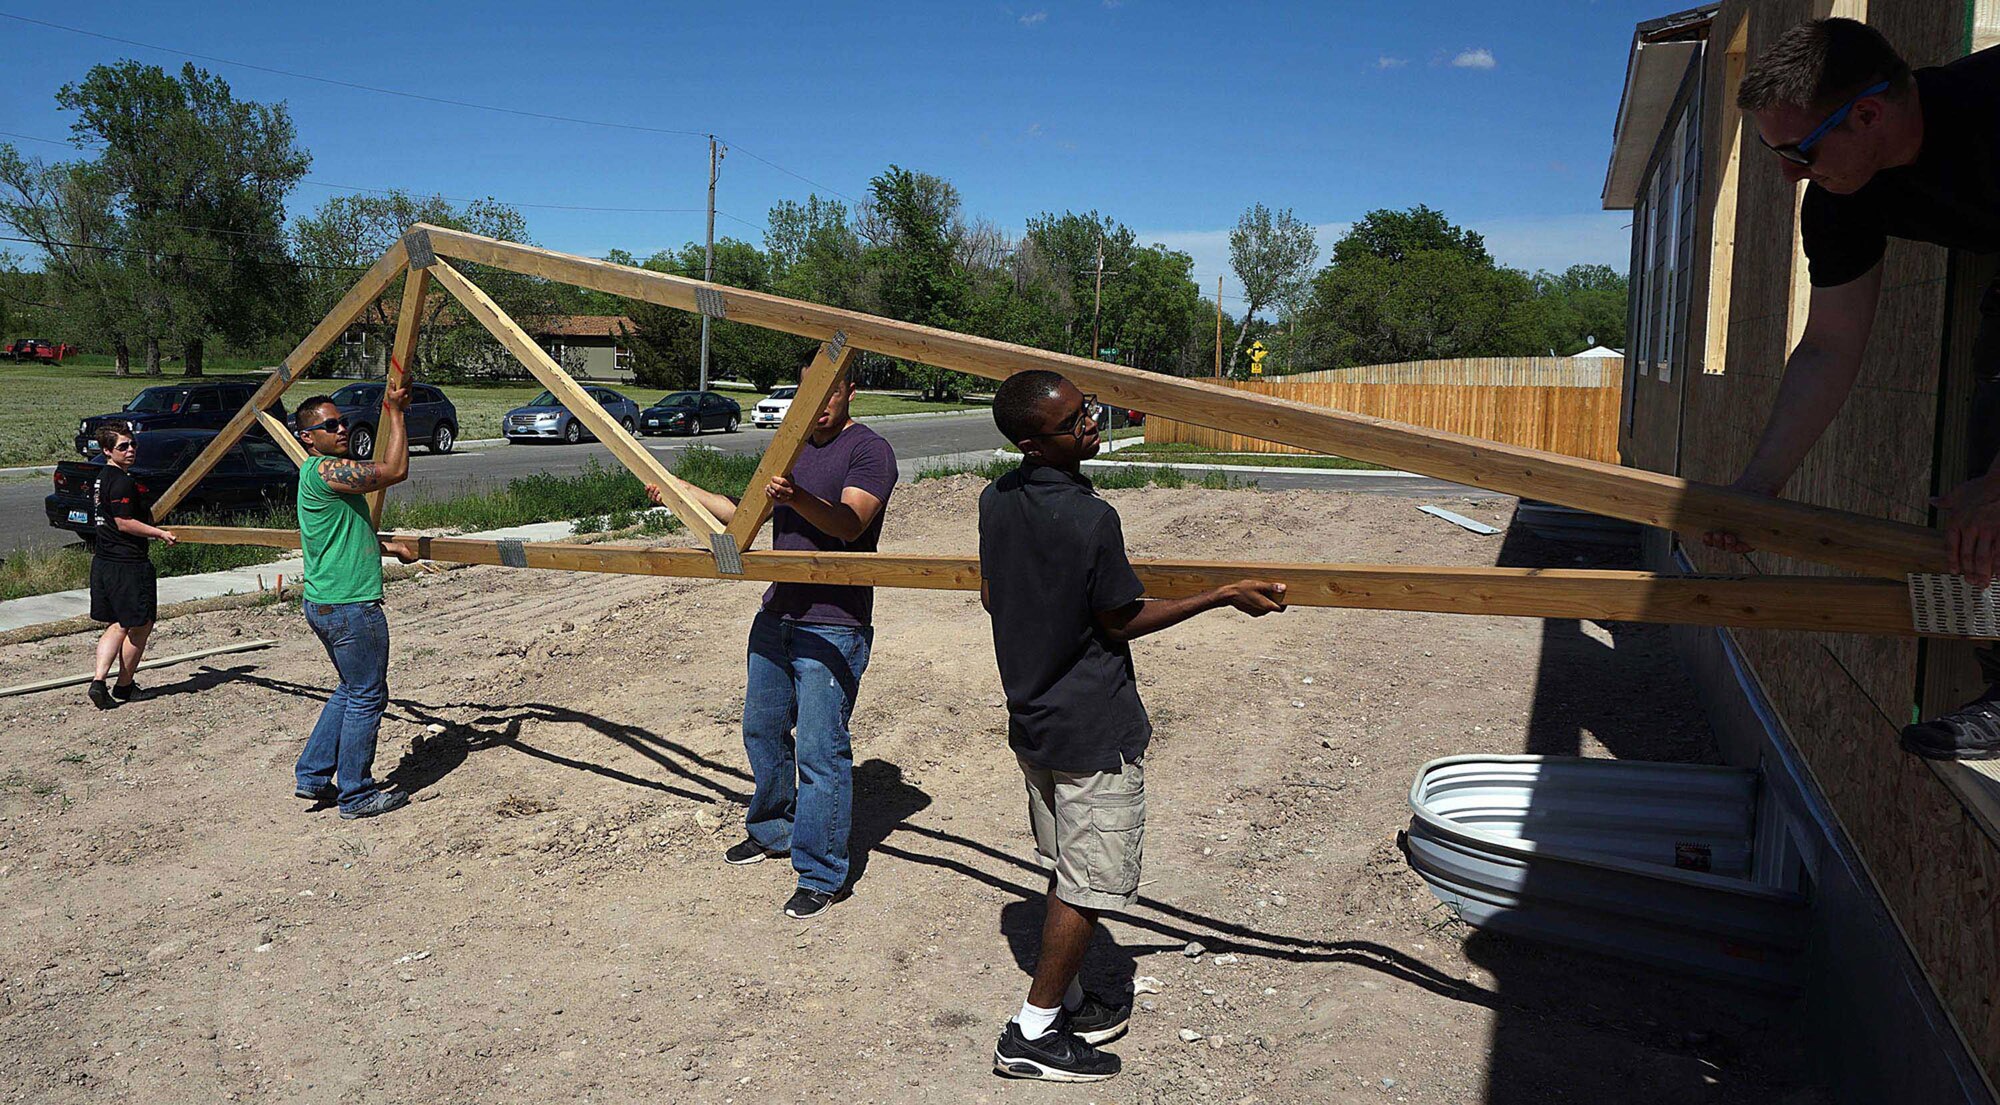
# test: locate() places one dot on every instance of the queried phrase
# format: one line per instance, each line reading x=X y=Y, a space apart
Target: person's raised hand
x=402 y=551
x=1255 y=597
x=1972 y=529
x=656 y=493
x=781 y=489
x=167 y=536
x=396 y=395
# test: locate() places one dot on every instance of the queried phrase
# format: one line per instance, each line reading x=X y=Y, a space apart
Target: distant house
x=586 y=346
x=1599 y=352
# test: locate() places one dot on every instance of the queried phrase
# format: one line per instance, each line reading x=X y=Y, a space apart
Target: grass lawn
x=40 y=404
x=1183 y=453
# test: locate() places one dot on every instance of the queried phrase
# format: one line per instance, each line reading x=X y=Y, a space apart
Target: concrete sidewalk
x=39 y=609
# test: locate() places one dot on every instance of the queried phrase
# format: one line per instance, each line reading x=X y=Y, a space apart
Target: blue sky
x=1171 y=117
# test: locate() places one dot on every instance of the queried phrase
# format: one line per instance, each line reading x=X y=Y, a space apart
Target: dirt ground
x=551 y=919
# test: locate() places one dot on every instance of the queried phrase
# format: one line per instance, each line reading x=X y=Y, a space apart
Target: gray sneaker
x=376 y=804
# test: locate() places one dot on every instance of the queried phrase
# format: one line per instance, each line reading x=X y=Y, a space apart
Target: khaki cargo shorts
x=1090 y=829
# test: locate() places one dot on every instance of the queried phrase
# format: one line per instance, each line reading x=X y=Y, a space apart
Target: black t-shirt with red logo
x=117 y=495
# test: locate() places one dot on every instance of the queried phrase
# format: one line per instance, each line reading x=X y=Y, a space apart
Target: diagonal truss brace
x=378 y=277
x=825 y=374
x=620 y=441
x=403 y=355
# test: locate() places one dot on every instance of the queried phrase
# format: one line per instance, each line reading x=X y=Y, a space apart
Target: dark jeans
x=1983 y=437
x=796 y=704
x=342 y=744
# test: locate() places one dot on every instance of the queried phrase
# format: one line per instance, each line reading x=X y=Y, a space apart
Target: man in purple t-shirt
x=808 y=647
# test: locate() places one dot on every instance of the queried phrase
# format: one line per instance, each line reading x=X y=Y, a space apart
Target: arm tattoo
x=351 y=476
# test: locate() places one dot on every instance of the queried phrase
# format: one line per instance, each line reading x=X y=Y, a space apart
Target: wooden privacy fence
x=1573 y=421
x=1562 y=372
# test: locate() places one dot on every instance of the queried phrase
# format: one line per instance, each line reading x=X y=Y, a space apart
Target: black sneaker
x=808 y=903
x=376 y=804
x=325 y=792
x=1057 y=1057
x=127 y=692
x=1971 y=732
x=748 y=852
x=1096 y=1021
x=100 y=697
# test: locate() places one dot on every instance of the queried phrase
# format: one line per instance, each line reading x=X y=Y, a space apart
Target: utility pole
x=1218 y=326
x=715 y=154
x=1097 y=300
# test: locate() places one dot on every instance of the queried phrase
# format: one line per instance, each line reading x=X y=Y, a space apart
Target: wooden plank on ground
x=403 y=355
x=357 y=299
x=1819 y=603
x=826 y=372
x=1876 y=546
x=146 y=665
x=283 y=435
x=622 y=444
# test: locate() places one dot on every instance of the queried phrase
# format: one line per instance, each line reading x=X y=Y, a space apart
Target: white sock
x=1073 y=997
x=1035 y=1021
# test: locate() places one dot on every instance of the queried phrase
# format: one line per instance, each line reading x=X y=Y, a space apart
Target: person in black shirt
x=123 y=589
x=1065 y=605
x=1888 y=153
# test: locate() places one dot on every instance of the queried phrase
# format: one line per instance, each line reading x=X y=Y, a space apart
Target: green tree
x=1399 y=235
x=914 y=231
x=1061 y=252
x=1273 y=256
x=197 y=181
x=63 y=210
x=347 y=233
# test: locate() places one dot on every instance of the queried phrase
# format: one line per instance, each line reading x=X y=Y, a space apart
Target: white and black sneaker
x=1096 y=1021
x=748 y=852
x=1056 y=1057
x=807 y=902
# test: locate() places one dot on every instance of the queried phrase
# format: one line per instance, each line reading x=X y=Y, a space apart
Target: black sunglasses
x=331 y=425
x=1073 y=425
x=1800 y=152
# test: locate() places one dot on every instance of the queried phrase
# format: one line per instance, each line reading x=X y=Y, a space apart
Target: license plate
x=652 y=422
x=79 y=517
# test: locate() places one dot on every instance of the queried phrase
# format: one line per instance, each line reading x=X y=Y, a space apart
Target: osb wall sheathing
x=1843 y=698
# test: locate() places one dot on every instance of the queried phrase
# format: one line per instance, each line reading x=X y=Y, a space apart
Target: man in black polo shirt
x=1065 y=603
x=1889 y=154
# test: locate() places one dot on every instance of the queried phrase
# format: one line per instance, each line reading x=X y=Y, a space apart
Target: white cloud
x=1481 y=58
x=1387 y=62
x=1034 y=19
x=1034 y=130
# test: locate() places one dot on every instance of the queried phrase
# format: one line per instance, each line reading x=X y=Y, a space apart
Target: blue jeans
x=342 y=745
x=800 y=693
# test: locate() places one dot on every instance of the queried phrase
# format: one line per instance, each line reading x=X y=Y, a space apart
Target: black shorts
x=123 y=591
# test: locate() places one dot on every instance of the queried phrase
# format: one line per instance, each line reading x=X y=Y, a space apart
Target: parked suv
x=432 y=421
x=546 y=419
x=252 y=475
x=194 y=405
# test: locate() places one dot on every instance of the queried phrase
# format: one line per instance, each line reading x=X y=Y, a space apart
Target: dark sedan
x=252 y=476
x=691 y=412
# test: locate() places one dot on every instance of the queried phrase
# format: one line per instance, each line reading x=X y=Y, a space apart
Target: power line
x=445 y=100
x=317 y=183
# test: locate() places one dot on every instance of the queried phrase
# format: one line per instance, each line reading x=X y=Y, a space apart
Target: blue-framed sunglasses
x=1800 y=152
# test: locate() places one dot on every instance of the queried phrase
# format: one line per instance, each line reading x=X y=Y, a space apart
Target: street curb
x=30 y=470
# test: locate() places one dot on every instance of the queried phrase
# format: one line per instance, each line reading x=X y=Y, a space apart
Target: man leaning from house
x=1887 y=153
x=808 y=647
x=343 y=598
x=1065 y=605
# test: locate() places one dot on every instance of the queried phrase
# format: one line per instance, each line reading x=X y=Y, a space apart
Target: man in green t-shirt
x=343 y=598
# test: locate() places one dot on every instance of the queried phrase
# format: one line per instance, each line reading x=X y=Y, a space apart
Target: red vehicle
x=37 y=349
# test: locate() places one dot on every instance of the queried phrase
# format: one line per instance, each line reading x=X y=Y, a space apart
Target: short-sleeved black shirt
x=1053 y=555
x=116 y=495
x=1950 y=195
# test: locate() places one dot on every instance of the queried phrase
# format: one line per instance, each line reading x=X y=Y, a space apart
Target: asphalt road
x=24 y=522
